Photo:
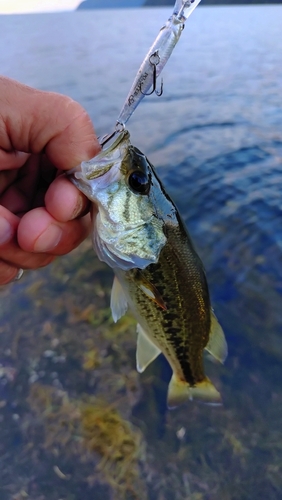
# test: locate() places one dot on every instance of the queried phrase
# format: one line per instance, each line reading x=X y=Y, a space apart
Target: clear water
x=215 y=137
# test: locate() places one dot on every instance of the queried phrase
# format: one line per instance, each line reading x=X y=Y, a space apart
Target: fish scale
x=159 y=276
x=185 y=329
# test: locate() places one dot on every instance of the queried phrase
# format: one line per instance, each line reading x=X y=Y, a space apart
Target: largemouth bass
x=138 y=231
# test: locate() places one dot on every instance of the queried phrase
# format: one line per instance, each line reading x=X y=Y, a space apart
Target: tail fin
x=179 y=392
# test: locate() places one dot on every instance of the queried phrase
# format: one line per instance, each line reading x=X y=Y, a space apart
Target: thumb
x=34 y=121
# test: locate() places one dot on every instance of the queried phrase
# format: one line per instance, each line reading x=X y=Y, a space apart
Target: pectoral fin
x=119 y=303
x=150 y=290
x=146 y=351
x=217 y=345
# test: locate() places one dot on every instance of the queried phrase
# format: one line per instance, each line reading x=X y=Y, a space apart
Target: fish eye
x=139 y=183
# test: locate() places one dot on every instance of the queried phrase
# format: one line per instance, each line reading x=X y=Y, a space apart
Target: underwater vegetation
x=77 y=421
x=93 y=433
x=113 y=439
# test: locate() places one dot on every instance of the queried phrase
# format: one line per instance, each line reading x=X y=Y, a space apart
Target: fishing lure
x=154 y=62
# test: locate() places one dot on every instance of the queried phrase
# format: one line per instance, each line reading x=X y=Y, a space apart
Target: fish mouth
x=99 y=170
x=112 y=143
x=109 y=138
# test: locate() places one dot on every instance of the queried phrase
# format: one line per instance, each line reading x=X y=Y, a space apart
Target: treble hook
x=154 y=65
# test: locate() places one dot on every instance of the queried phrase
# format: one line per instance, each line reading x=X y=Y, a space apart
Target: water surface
x=77 y=421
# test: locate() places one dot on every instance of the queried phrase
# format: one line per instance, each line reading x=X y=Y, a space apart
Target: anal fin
x=146 y=350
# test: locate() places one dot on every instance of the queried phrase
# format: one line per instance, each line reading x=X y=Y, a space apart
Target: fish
x=159 y=277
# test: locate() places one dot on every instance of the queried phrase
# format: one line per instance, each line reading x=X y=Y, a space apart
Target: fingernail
x=6 y=231
x=48 y=240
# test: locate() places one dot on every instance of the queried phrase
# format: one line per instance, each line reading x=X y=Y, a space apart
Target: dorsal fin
x=146 y=350
x=119 y=303
x=217 y=345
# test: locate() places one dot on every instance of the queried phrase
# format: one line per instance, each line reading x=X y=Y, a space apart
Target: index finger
x=34 y=121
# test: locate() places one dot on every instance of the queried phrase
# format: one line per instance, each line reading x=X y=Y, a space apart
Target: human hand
x=41 y=214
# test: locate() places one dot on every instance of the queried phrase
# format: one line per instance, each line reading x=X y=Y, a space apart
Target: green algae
x=92 y=432
x=119 y=446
